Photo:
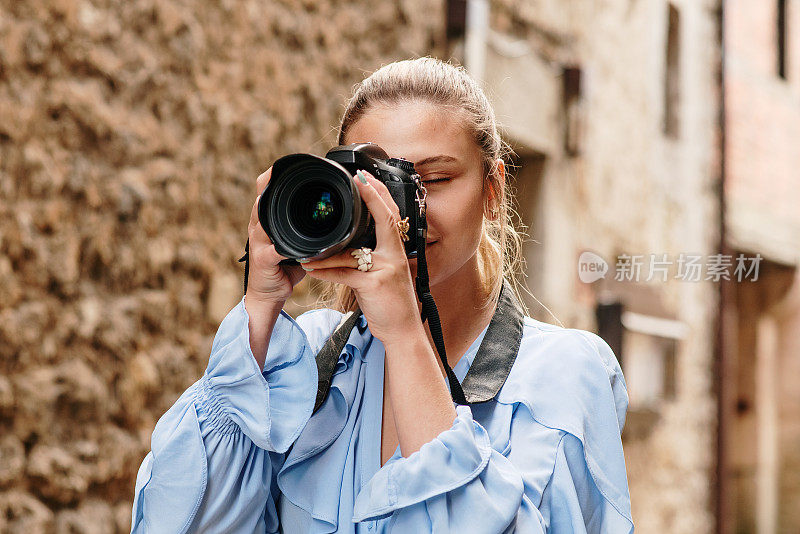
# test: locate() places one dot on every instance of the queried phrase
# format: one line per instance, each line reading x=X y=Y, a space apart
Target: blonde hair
x=437 y=82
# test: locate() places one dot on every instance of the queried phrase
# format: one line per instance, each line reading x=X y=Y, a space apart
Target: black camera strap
x=490 y=367
x=246 y=260
x=429 y=311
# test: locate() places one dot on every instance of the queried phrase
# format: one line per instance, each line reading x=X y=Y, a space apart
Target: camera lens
x=310 y=206
x=315 y=209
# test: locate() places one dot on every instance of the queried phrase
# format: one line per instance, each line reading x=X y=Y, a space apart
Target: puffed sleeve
x=533 y=474
x=215 y=453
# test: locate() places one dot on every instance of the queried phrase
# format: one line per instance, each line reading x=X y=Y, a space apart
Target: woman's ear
x=494 y=193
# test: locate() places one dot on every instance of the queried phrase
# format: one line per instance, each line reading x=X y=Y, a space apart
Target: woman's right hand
x=267 y=282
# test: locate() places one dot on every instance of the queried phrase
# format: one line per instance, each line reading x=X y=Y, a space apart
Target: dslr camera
x=311 y=209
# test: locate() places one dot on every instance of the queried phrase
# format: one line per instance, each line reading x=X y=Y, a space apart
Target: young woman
x=537 y=448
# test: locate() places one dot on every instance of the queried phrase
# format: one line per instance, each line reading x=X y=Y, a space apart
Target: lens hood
x=311 y=208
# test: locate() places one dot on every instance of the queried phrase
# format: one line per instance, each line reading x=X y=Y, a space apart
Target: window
x=571 y=76
x=672 y=73
x=781 y=35
x=645 y=337
x=456 y=19
x=456 y=28
x=528 y=171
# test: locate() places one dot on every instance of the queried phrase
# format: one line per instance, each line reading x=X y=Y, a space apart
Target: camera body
x=311 y=208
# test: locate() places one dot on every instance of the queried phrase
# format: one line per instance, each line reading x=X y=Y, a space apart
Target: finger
x=254 y=229
x=342 y=259
x=263 y=180
x=261 y=248
x=264 y=254
x=385 y=221
x=255 y=232
x=295 y=272
x=339 y=275
x=380 y=187
x=254 y=216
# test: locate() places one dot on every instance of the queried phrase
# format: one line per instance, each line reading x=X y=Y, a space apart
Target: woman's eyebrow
x=436 y=159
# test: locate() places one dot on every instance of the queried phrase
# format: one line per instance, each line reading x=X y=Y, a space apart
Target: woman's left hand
x=385 y=293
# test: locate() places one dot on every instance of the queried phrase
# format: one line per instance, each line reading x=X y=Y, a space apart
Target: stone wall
x=655 y=193
x=131 y=134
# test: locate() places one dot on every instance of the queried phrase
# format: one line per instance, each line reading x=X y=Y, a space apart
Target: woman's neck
x=461 y=301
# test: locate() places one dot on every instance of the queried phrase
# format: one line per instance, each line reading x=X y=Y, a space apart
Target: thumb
x=295 y=273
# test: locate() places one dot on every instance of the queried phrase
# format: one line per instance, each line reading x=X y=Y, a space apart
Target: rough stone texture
x=131 y=135
x=21 y=513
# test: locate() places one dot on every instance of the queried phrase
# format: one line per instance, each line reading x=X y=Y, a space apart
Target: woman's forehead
x=416 y=131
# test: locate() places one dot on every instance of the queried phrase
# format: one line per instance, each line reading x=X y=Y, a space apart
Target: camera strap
x=429 y=311
x=491 y=364
x=246 y=260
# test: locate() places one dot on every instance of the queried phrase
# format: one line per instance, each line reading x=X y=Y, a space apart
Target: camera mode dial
x=402 y=164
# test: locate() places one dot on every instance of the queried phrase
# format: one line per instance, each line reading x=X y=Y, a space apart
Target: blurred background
x=132 y=132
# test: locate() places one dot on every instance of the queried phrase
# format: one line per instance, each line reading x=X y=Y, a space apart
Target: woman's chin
x=431 y=257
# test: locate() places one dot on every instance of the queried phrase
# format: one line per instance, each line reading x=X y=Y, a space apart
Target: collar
x=498 y=350
x=489 y=369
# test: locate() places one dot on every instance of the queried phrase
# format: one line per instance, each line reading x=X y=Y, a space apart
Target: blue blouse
x=240 y=452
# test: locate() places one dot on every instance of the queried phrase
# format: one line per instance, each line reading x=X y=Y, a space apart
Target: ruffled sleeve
x=215 y=453
x=570 y=380
x=573 y=502
x=554 y=463
x=455 y=483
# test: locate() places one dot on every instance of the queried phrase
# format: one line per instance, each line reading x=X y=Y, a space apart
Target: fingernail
x=303 y=261
x=307 y=269
x=361 y=177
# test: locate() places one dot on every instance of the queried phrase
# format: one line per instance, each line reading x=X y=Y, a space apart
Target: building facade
x=613 y=110
x=759 y=468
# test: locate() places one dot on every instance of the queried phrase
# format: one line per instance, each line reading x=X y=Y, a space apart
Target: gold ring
x=364 y=257
x=403 y=227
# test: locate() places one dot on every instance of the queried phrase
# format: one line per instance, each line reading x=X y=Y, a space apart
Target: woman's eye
x=435 y=180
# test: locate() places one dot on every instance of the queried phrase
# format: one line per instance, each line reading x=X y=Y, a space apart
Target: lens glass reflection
x=315 y=209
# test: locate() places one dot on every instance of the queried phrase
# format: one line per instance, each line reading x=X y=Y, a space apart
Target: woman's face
x=449 y=162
